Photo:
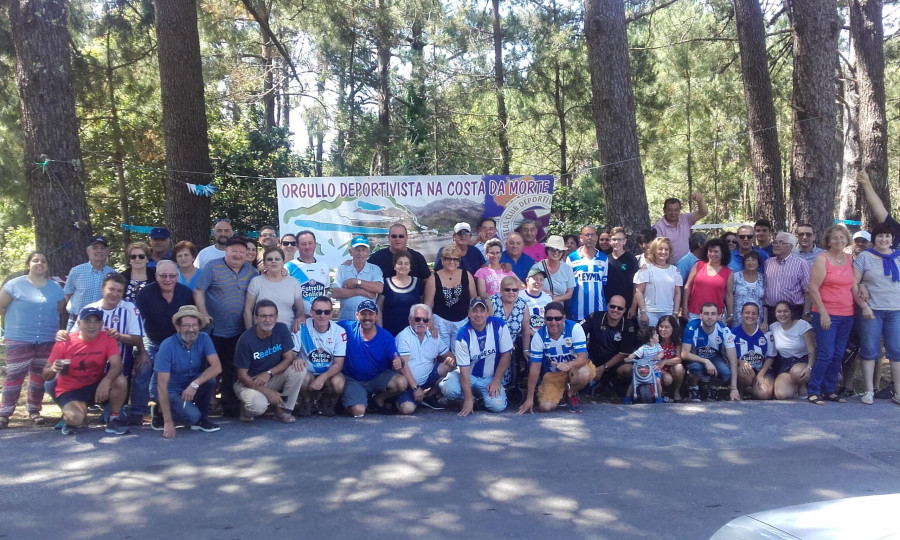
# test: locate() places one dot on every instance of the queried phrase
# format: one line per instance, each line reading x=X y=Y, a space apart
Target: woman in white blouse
x=795 y=342
x=658 y=284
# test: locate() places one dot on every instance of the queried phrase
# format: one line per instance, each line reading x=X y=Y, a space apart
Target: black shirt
x=157 y=313
x=384 y=259
x=605 y=341
x=620 y=278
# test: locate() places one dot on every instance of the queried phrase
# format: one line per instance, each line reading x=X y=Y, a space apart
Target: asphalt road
x=644 y=471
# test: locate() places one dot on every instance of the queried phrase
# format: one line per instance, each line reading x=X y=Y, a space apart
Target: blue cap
x=160 y=233
x=91 y=312
x=98 y=240
x=359 y=241
x=367 y=305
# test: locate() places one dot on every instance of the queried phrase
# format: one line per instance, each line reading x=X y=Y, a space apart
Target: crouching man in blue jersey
x=559 y=359
x=483 y=348
x=705 y=346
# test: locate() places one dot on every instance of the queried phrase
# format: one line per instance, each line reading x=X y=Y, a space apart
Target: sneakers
x=713 y=393
x=68 y=430
x=435 y=401
x=573 y=403
x=245 y=416
x=628 y=400
x=206 y=426
x=868 y=398
x=156 y=418
x=116 y=426
x=694 y=394
x=134 y=420
x=282 y=415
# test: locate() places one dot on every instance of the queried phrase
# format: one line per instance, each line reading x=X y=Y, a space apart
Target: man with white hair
x=787 y=277
x=425 y=361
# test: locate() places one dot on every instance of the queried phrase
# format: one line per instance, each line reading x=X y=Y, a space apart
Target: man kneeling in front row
x=268 y=370
x=426 y=361
x=78 y=365
x=183 y=392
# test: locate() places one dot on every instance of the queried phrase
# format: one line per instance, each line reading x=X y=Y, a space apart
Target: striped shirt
x=786 y=279
x=590 y=277
x=124 y=319
x=481 y=351
x=84 y=284
x=225 y=291
x=545 y=350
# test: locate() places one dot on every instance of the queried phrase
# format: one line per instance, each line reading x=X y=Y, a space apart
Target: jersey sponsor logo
x=268 y=352
x=754 y=359
x=591 y=276
x=707 y=352
x=320 y=357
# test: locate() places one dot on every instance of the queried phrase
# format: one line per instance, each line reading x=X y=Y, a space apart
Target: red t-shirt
x=88 y=360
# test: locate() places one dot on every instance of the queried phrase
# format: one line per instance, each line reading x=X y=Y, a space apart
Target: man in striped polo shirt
x=786 y=278
x=590 y=268
x=84 y=281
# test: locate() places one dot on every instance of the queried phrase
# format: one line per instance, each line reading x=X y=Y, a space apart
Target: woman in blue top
x=33 y=308
x=185 y=252
x=401 y=292
x=755 y=354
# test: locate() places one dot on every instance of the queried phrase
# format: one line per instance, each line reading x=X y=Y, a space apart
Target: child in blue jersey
x=647 y=354
x=755 y=351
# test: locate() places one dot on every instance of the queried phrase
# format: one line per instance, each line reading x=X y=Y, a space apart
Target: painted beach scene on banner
x=337 y=209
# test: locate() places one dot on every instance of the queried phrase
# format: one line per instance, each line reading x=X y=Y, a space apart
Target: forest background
x=414 y=87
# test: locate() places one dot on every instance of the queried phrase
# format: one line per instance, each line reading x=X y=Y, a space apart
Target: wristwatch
x=195 y=386
x=358 y=282
x=415 y=388
x=269 y=371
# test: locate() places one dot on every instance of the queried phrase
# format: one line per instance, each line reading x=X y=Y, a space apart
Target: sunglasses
x=451 y=259
x=322 y=311
x=167 y=276
x=732 y=241
x=398 y=236
x=422 y=319
x=274 y=259
x=554 y=319
x=553 y=250
x=464 y=233
x=289 y=243
x=510 y=290
x=804 y=234
x=745 y=236
x=268 y=235
x=137 y=256
x=618 y=308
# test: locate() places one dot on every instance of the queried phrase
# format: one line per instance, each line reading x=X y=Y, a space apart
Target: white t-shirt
x=320 y=349
x=207 y=254
x=535 y=310
x=790 y=343
x=283 y=293
x=318 y=278
x=421 y=353
x=659 y=295
x=563 y=279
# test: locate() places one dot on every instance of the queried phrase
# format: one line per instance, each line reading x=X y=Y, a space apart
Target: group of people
x=249 y=325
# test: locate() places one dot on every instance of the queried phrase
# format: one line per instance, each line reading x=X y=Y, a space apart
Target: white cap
x=461 y=227
x=864 y=235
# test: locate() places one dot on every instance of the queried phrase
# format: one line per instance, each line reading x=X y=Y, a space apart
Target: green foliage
x=15 y=244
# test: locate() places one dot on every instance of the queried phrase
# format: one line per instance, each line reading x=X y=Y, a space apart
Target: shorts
x=553 y=384
x=357 y=392
x=787 y=363
x=409 y=396
x=84 y=394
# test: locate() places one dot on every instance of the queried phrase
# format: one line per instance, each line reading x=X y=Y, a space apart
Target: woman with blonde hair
x=658 y=284
x=447 y=293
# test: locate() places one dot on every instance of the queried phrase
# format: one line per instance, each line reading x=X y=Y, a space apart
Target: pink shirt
x=536 y=251
x=492 y=278
x=680 y=234
x=837 y=288
x=708 y=288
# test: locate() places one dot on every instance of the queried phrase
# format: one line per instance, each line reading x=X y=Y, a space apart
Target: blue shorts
x=84 y=394
x=787 y=363
x=408 y=394
x=357 y=392
x=723 y=370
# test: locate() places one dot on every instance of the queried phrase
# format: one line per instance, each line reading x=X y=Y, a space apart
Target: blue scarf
x=890 y=267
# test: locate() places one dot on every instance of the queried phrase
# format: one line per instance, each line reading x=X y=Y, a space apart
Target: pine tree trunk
x=765 y=155
x=614 y=117
x=502 y=116
x=816 y=27
x=381 y=163
x=50 y=130
x=850 y=207
x=867 y=40
x=184 y=119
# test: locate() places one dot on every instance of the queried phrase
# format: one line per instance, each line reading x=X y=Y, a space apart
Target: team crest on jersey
x=567 y=342
x=762 y=341
x=115 y=319
x=617 y=336
x=718 y=340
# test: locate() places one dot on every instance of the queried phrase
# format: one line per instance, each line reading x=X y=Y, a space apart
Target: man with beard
x=611 y=337
x=184 y=391
x=222 y=232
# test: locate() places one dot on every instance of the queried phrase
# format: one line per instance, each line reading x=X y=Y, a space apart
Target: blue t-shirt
x=482 y=350
x=755 y=348
x=258 y=355
x=521 y=267
x=737 y=260
x=366 y=359
x=182 y=364
x=546 y=350
x=708 y=346
x=32 y=316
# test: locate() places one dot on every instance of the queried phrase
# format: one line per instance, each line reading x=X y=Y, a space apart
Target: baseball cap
x=535 y=270
x=359 y=241
x=236 y=241
x=91 y=312
x=478 y=301
x=461 y=226
x=98 y=240
x=367 y=305
x=160 y=233
x=863 y=234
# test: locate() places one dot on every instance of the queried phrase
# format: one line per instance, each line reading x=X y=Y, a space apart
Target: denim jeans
x=191 y=412
x=453 y=391
x=830 y=347
x=140 y=381
x=886 y=324
x=723 y=369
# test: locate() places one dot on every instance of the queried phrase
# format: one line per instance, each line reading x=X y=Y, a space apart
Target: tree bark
x=816 y=27
x=620 y=171
x=184 y=119
x=502 y=116
x=116 y=126
x=50 y=130
x=765 y=155
x=867 y=41
x=850 y=199
x=381 y=164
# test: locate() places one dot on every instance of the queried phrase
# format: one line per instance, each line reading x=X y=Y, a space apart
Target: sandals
x=896 y=399
x=835 y=398
x=36 y=419
x=868 y=398
x=815 y=399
